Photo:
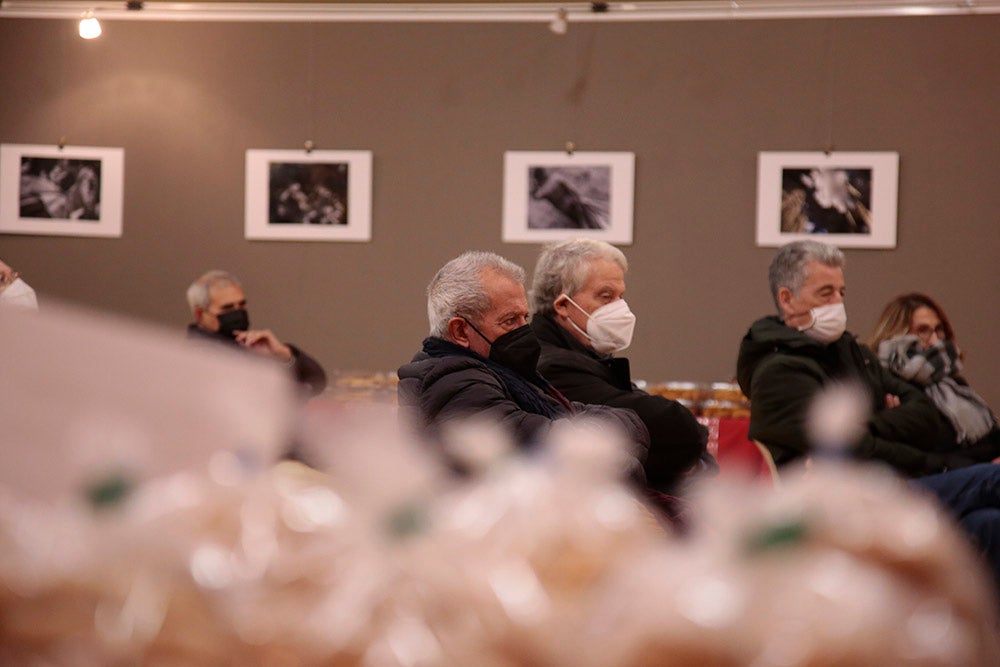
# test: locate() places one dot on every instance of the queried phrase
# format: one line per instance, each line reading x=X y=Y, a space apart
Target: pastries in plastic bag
x=541 y=560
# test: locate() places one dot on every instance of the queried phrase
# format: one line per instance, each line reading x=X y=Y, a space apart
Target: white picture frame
x=295 y=195
x=53 y=190
x=843 y=198
x=552 y=195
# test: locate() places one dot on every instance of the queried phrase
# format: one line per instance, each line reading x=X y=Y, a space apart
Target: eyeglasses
x=924 y=331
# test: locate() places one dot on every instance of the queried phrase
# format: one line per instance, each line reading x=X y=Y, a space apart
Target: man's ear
x=561 y=305
x=785 y=301
x=458 y=331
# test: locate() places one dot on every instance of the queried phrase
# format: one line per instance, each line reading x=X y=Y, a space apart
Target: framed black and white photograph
x=549 y=196
x=61 y=191
x=846 y=199
x=294 y=195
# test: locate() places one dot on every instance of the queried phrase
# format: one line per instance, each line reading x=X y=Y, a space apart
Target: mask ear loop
x=578 y=306
x=571 y=322
x=812 y=321
x=478 y=331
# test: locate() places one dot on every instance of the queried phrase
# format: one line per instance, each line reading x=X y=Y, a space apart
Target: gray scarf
x=937 y=370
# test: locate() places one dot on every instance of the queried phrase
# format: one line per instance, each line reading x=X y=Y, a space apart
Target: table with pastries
x=725 y=411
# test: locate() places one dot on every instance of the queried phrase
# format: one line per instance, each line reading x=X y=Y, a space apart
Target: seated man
x=220 y=314
x=785 y=361
x=581 y=319
x=480 y=359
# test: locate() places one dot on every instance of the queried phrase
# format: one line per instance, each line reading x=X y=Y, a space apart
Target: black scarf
x=937 y=369
x=528 y=392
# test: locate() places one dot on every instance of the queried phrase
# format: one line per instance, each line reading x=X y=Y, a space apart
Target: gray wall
x=439 y=103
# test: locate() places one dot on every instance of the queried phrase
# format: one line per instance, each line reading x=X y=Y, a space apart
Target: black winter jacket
x=781 y=370
x=305 y=370
x=438 y=389
x=677 y=440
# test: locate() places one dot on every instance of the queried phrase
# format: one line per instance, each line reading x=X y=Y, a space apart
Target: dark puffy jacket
x=438 y=389
x=781 y=370
x=676 y=440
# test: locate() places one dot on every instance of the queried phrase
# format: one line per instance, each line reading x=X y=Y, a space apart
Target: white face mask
x=18 y=295
x=609 y=328
x=828 y=323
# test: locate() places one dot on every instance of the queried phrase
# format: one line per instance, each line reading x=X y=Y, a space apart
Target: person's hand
x=891 y=401
x=264 y=341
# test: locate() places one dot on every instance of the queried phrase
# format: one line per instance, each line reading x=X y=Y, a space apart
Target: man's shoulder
x=817 y=361
x=428 y=370
x=784 y=361
x=433 y=382
x=781 y=368
x=194 y=332
x=561 y=352
x=556 y=356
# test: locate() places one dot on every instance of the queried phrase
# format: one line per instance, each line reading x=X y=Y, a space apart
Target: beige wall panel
x=439 y=103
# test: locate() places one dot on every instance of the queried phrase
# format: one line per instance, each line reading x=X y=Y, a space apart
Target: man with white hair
x=581 y=319
x=219 y=307
x=480 y=359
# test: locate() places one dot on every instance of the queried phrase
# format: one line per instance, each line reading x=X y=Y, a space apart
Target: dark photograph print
x=60 y=189
x=826 y=200
x=569 y=197
x=296 y=195
x=555 y=195
x=309 y=193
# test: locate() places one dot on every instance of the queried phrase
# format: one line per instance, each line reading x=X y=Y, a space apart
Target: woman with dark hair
x=915 y=340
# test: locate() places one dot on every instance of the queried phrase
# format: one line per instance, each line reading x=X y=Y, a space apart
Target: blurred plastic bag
x=91 y=398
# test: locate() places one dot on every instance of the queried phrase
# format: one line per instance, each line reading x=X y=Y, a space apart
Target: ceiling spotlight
x=90 y=27
x=559 y=23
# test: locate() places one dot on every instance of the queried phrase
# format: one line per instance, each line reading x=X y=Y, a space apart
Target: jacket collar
x=770 y=335
x=551 y=332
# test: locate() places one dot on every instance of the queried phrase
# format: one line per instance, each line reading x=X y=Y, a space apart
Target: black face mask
x=232 y=321
x=518 y=350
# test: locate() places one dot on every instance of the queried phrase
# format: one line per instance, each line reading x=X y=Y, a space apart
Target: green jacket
x=781 y=369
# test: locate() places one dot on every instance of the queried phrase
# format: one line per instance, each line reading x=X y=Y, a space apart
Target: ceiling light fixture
x=90 y=27
x=559 y=23
x=488 y=11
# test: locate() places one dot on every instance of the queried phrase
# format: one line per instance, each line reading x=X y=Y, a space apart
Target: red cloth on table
x=730 y=444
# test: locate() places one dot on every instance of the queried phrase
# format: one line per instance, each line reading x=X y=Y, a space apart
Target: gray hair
x=563 y=268
x=198 y=294
x=788 y=268
x=457 y=288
